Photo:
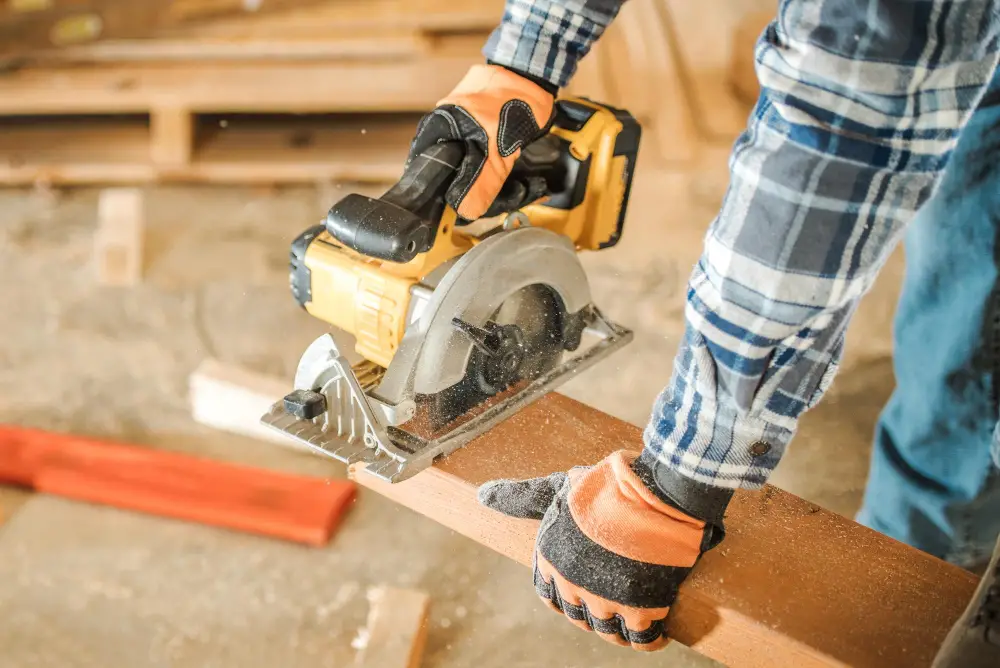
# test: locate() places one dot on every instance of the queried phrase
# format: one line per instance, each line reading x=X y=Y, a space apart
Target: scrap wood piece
x=297 y=508
x=233 y=399
x=792 y=586
x=397 y=629
x=118 y=243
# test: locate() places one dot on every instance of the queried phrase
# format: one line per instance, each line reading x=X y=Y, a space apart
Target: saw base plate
x=395 y=453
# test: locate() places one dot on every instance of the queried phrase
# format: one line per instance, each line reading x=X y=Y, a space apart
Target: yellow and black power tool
x=459 y=324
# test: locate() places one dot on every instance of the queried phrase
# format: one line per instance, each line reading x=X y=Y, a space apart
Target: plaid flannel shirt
x=861 y=105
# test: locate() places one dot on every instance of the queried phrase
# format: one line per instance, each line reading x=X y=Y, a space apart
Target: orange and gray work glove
x=494 y=112
x=616 y=541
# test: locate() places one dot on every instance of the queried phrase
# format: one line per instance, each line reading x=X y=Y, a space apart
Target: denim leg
x=933 y=483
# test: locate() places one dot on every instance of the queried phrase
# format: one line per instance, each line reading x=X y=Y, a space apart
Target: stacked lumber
x=330 y=90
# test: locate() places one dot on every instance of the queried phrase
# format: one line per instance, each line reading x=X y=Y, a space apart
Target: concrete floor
x=86 y=586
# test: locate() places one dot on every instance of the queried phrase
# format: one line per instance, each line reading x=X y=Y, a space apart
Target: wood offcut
x=233 y=399
x=118 y=243
x=792 y=586
x=397 y=629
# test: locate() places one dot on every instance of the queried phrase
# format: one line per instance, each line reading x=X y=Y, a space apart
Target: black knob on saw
x=503 y=349
x=403 y=222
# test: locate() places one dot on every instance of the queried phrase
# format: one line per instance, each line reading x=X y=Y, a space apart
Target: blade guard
x=351 y=429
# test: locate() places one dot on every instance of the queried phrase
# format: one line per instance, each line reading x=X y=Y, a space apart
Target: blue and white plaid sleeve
x=860 y=107
x=547 y=38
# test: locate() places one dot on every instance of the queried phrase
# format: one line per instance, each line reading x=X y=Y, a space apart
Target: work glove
x=494 y=112
x=613 y=547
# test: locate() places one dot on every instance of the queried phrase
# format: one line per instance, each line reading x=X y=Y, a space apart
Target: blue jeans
x=934 y=481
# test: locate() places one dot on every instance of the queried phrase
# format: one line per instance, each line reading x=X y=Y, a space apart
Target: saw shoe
x=974 y=641
x=494 y=112
x=612 y=548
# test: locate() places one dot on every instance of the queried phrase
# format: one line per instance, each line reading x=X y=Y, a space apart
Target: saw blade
x=532 y=317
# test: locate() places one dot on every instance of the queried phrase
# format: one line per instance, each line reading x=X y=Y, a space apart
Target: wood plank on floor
x=792 y=586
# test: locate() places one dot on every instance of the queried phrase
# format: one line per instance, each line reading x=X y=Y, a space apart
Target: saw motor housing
x=370 y=267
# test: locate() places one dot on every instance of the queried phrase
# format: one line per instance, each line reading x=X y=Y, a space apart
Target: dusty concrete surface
x=85 y=586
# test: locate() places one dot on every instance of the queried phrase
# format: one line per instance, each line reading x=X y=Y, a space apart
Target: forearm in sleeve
x=547 y=38
x=861 y=105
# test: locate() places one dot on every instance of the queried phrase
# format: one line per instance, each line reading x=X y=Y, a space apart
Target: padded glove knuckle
x=613 y=558
x=494 y=112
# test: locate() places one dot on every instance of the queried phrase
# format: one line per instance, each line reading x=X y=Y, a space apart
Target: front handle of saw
x=402 y=222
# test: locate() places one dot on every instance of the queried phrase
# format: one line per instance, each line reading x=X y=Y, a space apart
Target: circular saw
x=459 y=324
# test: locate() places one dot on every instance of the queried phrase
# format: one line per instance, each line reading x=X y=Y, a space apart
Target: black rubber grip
x=403 y=222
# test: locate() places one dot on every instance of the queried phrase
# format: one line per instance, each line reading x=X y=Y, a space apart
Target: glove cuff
x=547 y=86
x=703 y=502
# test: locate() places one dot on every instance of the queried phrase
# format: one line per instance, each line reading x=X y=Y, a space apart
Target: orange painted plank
x=291 y=507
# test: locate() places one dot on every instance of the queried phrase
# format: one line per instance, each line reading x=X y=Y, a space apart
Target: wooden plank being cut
x=792 y=586
x=397 y=629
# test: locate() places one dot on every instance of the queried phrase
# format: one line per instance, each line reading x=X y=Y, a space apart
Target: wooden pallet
x=132 y=111
x=272 y=119
x=227 y=148
x=316 y=91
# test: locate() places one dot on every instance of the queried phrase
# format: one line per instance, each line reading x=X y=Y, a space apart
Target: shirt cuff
x=544 y=39
x=691 y=435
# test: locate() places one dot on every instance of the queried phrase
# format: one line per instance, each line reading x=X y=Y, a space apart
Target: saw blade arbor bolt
x=305 y=404
x=504 y=351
